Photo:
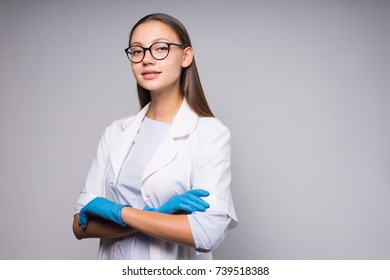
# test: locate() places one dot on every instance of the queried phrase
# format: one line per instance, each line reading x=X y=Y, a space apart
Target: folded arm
x=167 y=227
x=100 y=228
x=172 y=228
x=106 y=219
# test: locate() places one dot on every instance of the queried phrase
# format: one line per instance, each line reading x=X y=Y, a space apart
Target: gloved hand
x=189 y=202
x=102 y=208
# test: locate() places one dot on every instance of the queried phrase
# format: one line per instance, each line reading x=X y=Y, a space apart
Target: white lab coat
x=195 y=154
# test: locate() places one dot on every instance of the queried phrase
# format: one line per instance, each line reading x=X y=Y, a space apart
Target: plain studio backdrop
x=303 y=86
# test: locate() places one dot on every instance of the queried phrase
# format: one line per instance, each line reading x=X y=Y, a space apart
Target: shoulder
x=121 y=124
x=211 y=131
x=117 y=127
x=213 y=140
x=212 y=126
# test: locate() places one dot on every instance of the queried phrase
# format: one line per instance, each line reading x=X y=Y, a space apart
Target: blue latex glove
x=102 y=208
x=189 y=202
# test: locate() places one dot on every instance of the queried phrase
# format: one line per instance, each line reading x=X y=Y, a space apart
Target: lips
x=150 y=74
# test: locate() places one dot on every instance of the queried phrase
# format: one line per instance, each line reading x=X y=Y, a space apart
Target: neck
x=164 y=106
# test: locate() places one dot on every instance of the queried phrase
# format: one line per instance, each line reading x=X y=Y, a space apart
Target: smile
x=149 y=75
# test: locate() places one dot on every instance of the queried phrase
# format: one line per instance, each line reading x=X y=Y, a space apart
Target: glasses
x=158 y=50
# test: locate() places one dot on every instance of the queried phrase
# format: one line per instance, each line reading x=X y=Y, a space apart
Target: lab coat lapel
x=184 y=123
x=164 y=154
x=125 y=139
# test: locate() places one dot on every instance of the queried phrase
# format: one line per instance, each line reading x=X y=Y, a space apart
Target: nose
x=148 y=58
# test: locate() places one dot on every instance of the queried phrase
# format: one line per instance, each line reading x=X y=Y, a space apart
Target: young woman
x=159 y=187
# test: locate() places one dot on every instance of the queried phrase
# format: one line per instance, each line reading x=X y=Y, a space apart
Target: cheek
x=174 y=68
x=136 y=71
x=134 y=68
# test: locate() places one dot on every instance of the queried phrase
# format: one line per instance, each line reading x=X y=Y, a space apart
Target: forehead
x=152 y=31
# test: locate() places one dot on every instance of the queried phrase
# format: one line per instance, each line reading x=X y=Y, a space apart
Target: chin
x=149 y=85
x=150 y=88
x=157 y=86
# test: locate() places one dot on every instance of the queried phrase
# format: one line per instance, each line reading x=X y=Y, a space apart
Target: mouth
x=150 y=74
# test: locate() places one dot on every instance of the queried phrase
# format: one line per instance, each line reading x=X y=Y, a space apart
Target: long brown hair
x=190 y=85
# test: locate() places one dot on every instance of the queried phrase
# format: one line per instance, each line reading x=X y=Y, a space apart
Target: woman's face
x=159 y=75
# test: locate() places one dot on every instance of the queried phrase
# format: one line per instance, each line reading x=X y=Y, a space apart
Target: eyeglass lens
x=158 y=50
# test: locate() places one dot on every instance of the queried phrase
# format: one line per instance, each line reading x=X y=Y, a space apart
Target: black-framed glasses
x=158 y=50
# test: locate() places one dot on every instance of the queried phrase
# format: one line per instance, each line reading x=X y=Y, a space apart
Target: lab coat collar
x=183 y=124
x=185 y=121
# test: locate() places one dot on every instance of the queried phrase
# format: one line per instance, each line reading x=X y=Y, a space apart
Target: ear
x=188 y=57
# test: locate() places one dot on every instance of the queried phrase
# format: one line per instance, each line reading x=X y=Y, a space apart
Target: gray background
x=303 y=86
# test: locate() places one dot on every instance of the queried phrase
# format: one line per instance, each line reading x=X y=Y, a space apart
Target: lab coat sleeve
x=94 y=184
x=208 y=229
x=213 y=166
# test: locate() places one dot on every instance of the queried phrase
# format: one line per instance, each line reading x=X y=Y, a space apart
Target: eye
x=160 y=47
x=136 y=51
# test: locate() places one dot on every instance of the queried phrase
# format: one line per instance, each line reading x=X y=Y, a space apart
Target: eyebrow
x=162 y=39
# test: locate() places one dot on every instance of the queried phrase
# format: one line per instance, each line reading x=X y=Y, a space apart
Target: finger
x=166 y=209
x=148 y=208
x=83 y=220
x=196 y=203
x=195 y=199
x=187 y=207
x=199 y=192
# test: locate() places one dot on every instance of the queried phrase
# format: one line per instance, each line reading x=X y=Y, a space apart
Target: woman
x=156 y=173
